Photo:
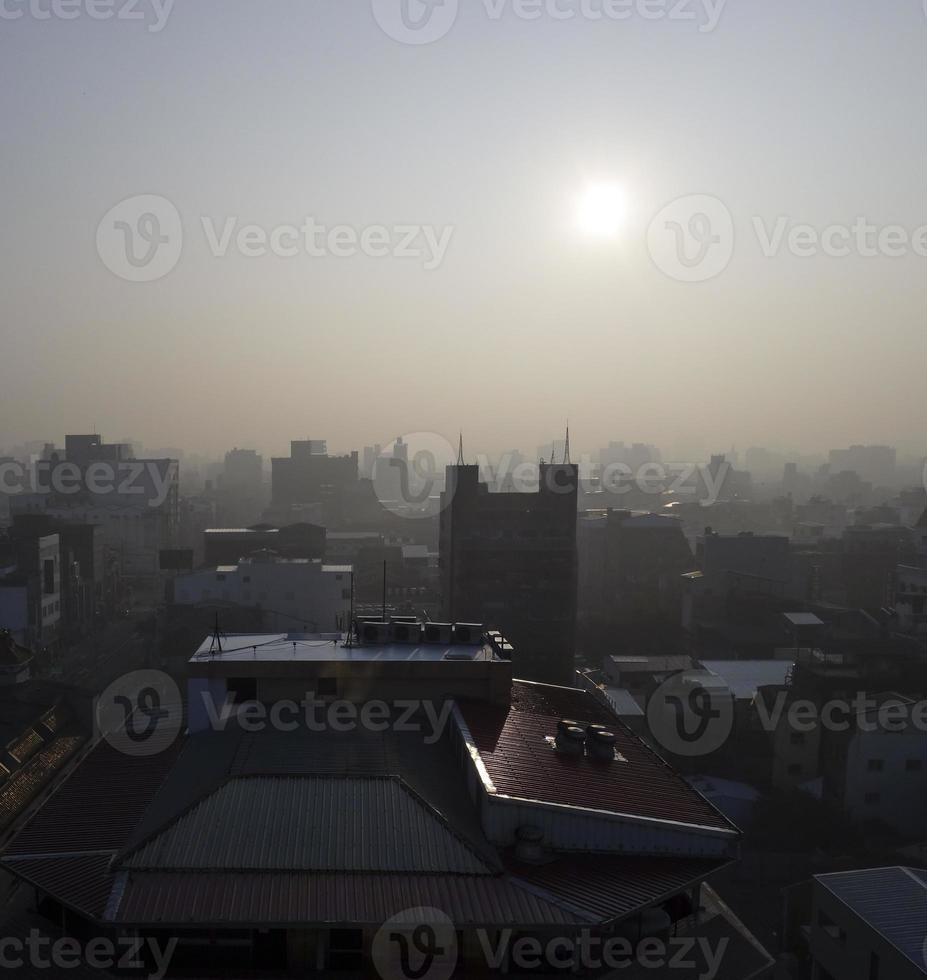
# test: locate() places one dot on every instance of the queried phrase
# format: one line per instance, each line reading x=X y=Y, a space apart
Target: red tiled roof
x=161 y=898
x=520 y=761
x=607 y=887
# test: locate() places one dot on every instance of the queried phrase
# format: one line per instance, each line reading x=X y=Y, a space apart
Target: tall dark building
x=310 y=475
x=508 y=560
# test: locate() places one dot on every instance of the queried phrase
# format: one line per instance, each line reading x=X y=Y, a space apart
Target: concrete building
x=30 y=592
x=293 y=594
x=509 y=560
x=135 y=502
x=226 y=545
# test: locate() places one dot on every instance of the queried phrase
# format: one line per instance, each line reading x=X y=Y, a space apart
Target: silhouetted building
x=509 y=560
x=309 y=475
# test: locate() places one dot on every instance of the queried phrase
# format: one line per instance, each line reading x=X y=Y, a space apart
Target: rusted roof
x=515 y=749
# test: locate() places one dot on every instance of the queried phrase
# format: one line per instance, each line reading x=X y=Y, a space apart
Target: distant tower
x=566 y=448
x=460 y=455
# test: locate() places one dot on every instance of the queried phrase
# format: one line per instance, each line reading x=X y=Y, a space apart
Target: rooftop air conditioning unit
x=468 y=633
x=439 y=633
x=375 y=633
x=406 y=632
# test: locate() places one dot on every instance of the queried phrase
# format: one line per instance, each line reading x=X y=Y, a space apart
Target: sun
x=601 y=209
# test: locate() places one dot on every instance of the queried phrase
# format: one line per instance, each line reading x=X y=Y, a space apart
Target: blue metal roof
x=893 y=901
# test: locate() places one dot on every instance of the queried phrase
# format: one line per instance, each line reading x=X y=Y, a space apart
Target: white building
x=295 y=594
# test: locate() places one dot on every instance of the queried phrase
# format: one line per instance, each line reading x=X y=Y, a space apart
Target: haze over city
x=497 y=130
x=463 y=489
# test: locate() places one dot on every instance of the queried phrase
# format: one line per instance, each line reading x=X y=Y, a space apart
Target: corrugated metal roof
x=97 y=806
x=518 y=758
x=893 y=901
x=157 y=898
x=81 y=881
x=309 y=824
x=607 y=887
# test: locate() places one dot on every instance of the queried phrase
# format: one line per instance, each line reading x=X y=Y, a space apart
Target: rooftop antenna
x=566 y=448
x=383 y=620
x=350 y=630
x=215 y=645
x=460 y=455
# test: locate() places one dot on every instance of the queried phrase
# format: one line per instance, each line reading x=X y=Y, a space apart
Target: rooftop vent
x=600 y=744
x=570 y=738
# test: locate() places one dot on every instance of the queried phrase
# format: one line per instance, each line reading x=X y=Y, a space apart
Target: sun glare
x=601 y=210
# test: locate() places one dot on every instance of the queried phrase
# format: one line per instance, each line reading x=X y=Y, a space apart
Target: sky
x=704 y=145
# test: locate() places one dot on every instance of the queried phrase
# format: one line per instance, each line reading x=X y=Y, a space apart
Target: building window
x=873 y=966
x=48 y=573
x=876 y=765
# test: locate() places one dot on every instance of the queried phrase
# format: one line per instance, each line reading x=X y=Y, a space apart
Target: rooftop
x=327 y=647
x=745 y=677
x=519 y=760
x=893 y=901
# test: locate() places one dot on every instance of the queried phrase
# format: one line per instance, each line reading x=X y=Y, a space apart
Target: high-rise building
x=509 y=560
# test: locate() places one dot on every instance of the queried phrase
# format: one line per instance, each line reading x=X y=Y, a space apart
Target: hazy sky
x=273 y=111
